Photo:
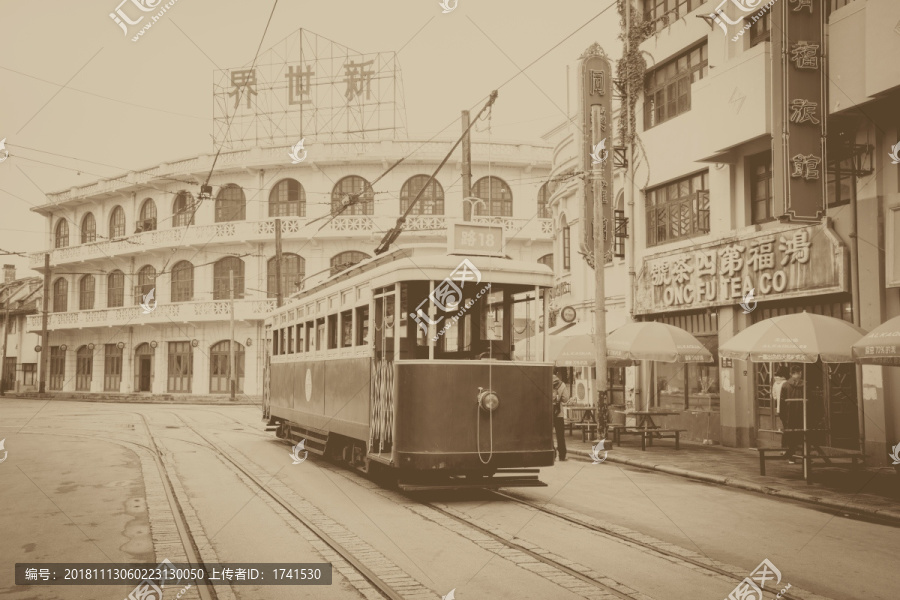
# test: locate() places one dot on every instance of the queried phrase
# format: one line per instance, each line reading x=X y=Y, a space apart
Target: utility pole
x=468 y=207
x=5 y=337
x=599 y=307
x=279 y=293
x=45 y=335
x=232 y=382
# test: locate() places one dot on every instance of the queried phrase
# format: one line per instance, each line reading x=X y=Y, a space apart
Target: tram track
x=667 y=551
x=346 y=550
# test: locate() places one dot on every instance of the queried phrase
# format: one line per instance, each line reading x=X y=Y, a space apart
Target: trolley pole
x=5 y=338
x=45 y=335
x=279 y=292
x=232 y=384
x=468 y=207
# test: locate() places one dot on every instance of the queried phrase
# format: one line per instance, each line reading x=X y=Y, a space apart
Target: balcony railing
x=296 y=227
x=178 y=312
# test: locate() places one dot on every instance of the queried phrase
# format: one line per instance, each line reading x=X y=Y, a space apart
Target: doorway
x=143 y=374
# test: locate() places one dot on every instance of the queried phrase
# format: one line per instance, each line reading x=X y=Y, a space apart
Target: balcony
x=239 y=232
x=731 y=106
x=862 y=37
x=180 y=312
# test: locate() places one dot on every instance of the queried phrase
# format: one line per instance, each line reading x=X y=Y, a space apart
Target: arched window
x=220 y=367
x=62 y=234
x=115 y=289
x=496 y=195
x=84 y=369
x=230 y=204
x=547 y=259
x=182 y=282
x=346 y=190
x=221 y=284
x=117 y=222
x=183 y=209
x=432 y=200
x=86 y=293
x=146 y=281
x=543 y=202
x=566 y=242
x=88 y=229
x=148 y=216
x=287 y=199
x=293 y=270
x=345 y=260
x=60 y=295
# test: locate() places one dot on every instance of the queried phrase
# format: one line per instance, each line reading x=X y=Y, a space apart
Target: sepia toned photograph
x=450 y=300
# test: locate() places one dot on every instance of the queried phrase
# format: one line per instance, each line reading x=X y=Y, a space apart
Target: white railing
x=261 y=231
x=214 y=310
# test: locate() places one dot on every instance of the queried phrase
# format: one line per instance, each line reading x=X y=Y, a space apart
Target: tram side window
x=299 y=334
x=275 y=343
x=290 y=340
x=310 y=340
x=320 y=333
x=346 y=329
x=332 y=331
x=362 y=325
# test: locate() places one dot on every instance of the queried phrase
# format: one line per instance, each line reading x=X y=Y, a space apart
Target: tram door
x=382 y=396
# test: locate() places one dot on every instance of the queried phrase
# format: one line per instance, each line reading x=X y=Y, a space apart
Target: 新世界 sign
x=778 y=264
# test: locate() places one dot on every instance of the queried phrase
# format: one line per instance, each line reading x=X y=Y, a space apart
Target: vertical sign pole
x=45 y=335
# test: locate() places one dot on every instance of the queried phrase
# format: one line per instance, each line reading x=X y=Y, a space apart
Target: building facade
x=114 y=242
x=19 y=298
x=726 y=198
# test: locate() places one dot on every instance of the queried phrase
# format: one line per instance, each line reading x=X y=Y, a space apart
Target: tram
x=427 y=365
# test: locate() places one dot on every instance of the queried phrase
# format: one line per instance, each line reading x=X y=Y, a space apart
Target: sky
x=80 y=101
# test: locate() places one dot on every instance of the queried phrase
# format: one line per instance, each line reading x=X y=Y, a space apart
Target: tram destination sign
x=778 y=263
x=477 y=240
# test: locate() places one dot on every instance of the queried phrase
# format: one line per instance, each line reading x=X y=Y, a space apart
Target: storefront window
x=691 y=386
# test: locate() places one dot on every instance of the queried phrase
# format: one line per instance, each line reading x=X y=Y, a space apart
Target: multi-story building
x=719 y=210
x=19 y=298
x=114 y=241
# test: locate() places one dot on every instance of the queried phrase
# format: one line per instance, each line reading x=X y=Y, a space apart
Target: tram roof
x=417 y=262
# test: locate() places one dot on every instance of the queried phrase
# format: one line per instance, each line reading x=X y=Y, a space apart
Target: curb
x=881 y=513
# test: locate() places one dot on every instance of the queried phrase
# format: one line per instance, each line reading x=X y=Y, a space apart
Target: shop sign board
x=778 y=264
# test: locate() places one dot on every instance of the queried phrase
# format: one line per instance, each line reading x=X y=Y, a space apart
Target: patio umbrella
x=655 y=341
x=802 y=337
x=881 y=346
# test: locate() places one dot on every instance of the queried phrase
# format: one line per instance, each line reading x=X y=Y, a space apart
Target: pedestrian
x=792 y=412
x=560 y=399
x=777 y=384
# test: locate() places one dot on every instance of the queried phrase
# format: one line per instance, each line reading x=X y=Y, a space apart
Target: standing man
x=792 y=412
x=560 y=399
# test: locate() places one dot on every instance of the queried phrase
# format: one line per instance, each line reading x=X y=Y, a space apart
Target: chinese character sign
x=788 y=263
x=596 y=108
x=798 y=32
x=307 y=85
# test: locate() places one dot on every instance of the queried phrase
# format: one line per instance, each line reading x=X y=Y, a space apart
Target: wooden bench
x=854 y=456
x=586 y=427
x=647 y=435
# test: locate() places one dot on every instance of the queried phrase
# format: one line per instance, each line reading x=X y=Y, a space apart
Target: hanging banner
x=597 y=144
x=799 y=109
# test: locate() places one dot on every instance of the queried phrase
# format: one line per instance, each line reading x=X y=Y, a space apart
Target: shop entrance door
x=145 y=374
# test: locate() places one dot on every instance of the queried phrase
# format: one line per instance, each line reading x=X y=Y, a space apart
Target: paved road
x=82 y=483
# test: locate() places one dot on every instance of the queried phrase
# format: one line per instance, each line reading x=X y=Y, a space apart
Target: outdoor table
x=645 y=422
x=579 y=414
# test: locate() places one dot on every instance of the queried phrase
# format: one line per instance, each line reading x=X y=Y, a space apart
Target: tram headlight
x=488 y=400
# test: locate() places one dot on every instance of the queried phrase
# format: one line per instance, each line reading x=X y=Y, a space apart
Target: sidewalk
x=871 y=492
